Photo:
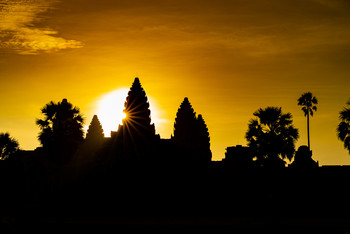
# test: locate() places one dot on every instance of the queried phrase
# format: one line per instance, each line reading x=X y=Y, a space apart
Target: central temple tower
x=136 y=135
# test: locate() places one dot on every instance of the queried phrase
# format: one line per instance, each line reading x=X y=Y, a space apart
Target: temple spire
x=137 y=110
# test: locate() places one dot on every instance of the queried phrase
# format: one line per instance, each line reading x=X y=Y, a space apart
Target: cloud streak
x=18 y=30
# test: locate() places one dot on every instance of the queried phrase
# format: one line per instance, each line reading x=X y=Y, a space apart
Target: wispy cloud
x=18 y=30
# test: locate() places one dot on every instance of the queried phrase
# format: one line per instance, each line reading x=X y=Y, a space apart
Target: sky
x=229 y=58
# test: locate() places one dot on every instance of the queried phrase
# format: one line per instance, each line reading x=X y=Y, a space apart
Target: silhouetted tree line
x=96 y=173
x=271 y=137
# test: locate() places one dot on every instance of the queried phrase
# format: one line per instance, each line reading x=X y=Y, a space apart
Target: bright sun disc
x=110 y=110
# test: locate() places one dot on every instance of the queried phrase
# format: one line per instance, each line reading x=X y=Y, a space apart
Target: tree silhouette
x=343 y=129
x=308 y=103
x=272 y=136
x=95 y=131
x=8 y=146
x=61 y=129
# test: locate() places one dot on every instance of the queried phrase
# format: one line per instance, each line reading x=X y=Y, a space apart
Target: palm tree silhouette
x=271 y=136
x=308 y=103
x=61 y=129
x=8 y=146
x=343 y=129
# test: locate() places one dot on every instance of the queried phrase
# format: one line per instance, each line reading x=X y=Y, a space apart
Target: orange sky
x=228 y=57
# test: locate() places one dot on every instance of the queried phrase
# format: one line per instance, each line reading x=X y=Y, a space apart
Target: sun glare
x=109 y=109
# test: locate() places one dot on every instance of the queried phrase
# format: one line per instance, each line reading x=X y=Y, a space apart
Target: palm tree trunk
x=308 y=132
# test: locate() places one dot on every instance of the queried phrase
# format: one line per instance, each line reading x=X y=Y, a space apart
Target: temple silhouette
x=135 y=179
x=136 y=144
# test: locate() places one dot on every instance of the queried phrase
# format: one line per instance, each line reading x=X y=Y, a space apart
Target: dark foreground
x=141 y=199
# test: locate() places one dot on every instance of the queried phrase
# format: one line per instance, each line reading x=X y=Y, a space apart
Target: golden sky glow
x=228 y=57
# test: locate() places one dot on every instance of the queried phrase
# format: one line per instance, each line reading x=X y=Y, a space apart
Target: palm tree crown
x=308 y=102
x=343 y=129
x=8 y=146
x=272 y=136
x=61 y=128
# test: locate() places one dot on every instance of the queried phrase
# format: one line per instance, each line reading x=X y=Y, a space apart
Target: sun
x=110 y=106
